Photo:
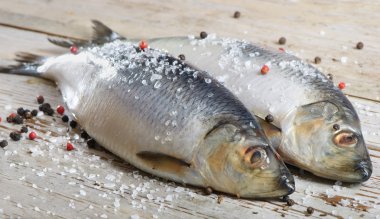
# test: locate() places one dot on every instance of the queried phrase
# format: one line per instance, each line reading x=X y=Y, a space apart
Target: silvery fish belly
x=320 y=128
x=167 y=118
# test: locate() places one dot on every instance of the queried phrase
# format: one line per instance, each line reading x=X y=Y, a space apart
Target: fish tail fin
x=101 y=34
x=27 y=65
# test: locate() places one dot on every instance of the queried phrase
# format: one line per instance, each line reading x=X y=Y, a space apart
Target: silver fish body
x=168 y=119
x=305 y=104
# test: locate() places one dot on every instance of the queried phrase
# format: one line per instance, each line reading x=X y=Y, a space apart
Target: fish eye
x=255 y=156
x=345 y=139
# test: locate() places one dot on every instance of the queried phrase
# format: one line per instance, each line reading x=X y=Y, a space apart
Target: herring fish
x=164 y=116
x=320 y=129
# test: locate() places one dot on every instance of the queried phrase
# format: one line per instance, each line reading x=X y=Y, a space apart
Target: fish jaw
x=243 y=165
x=312 y=142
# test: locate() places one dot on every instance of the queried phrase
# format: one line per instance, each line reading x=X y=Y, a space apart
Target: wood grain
x=86 y=182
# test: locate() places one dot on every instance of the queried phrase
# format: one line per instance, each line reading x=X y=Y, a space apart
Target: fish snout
x=287 y=182
x=364 y=169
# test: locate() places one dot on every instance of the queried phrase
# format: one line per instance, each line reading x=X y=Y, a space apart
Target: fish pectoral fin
x=163 y=162
x=101 y=34
x=272 y=132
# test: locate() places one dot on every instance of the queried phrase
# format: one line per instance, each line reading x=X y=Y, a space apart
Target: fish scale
x=124 y=97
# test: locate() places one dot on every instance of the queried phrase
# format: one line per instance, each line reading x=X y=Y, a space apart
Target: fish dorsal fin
x=101 y=34
x=163 y=162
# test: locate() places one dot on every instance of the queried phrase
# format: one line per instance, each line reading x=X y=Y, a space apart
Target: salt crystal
x=91 y=207
x=155 y=77
x=8 y=107
x=155 y=216
x=110 y=177
x=179 y=189
x=40 y=174
x=322 y=33
x=34 y=186
x=1 y=211
x=36 y=151
x=116 y=203
x=135 y=216
x=36 y=208
x=207 y=80
x=149 y=196
x=19 y=205
x=103 y=216
x=344 y=202
x=144 y=82
x=109 y=185
x=343 y=60
x=82 y=192
x=169 y=198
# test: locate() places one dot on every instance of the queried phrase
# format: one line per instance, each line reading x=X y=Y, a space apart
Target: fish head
x=325 y=138
x=243 y=164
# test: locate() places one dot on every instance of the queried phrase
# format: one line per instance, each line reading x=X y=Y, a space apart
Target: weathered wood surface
x=39 y=179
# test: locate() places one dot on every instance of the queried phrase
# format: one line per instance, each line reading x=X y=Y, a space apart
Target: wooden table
x=40 y=179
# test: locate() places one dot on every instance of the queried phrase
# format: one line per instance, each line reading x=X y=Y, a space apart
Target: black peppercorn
x=20 y=111
x=237 y=14
x=34 y=112
x=65 y=118
x=282 y=40
x=91 y=143
x=73 y=124
x=269 y=118
x=181 y=57
x=24 y=129
x=40 y=99
x=15 y=136
x=359 y=45
x=18 y=119
x=3 y=143
x=203 y=35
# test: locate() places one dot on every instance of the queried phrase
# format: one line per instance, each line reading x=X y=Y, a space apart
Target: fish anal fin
x=164 y=162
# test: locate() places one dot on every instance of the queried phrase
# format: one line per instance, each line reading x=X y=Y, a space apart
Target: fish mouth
x=287 y=183
x=364 y=170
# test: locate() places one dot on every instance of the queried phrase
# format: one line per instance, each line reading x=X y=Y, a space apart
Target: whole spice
x=237 y=14
x=282 y=40
x=264 y=69
x=336 y=127
x=24 y=129
x=208 y=191
x=3 y=143
x=69 y=146
x=310 y=210
x=203 y=35
x=49 y=112
x=182 y=57
x=15 y=136
x=20 y=111
x=34 y=112
x=32 y=135
x=342 y=85
x=143 y=45
x=359 y=45
x=11 y=117
x=91 y=143
x=74 y=49
x=40 y=99
x=269 y=118
x=317 y=60
x=73 y=124
x=220 y=199
x=28 y=115
x=330 y=77
x=65 y=118
x=84 y=135
x=18 y=119
x=60 y=109
x=290 y=202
